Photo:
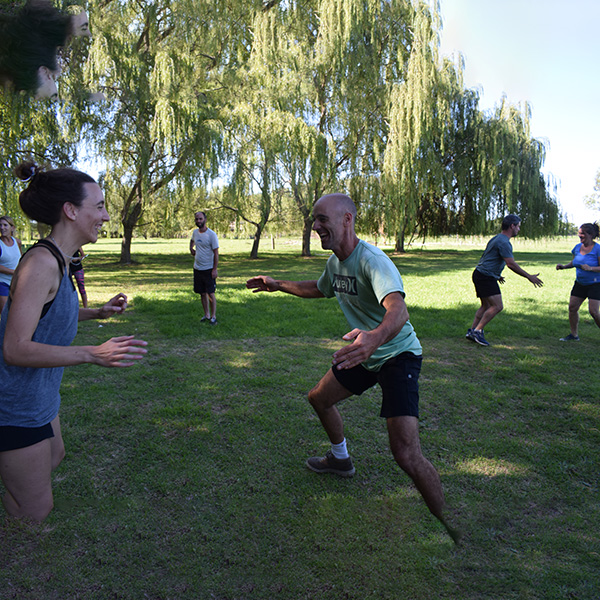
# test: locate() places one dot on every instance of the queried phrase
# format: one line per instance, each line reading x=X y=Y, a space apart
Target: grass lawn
x=185 y=479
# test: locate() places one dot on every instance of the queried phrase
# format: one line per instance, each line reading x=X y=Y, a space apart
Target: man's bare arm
x=302 y=289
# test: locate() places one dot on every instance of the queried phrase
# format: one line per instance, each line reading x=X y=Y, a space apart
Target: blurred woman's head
x=7 y=226
x=590 y=229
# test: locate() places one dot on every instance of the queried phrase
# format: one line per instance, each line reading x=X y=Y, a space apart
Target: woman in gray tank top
x=37 y=327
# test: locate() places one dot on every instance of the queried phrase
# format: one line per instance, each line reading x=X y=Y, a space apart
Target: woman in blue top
x=37 y=327
x=586 y=260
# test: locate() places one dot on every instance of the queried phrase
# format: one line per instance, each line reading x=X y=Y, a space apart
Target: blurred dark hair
x=591 y=229
x=510 y=220
x=29 y=39
x=47 y=191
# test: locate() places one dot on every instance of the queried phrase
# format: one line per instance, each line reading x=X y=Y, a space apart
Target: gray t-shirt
x=492 y=260
x=205 y=244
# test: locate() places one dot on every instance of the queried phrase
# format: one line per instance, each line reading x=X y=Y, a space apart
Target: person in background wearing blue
x=488 y=273
x=10 y=254
x=586 y=260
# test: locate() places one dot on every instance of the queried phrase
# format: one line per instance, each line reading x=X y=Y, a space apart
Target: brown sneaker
x=330 y=464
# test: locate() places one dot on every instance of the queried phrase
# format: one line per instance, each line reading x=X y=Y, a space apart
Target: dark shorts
x=591 y=291
x=13 y=438
x=399 y=381
x=4 y=288
x=203 y=282
x=485 y=285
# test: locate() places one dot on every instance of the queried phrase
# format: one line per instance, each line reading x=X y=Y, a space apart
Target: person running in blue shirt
x=382 y=348
x=488 y=273
x=586 y=260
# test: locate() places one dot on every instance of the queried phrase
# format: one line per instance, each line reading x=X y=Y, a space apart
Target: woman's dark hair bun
x=48 y=189
x=26 y=170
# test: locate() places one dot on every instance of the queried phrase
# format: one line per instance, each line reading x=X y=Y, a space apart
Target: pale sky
x=546 y=53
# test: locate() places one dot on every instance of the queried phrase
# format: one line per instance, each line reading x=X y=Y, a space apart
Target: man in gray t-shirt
x=488 y=273
x=204 y=247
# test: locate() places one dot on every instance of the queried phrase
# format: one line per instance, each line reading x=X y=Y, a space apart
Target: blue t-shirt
x=360 y=283
x=592 y=258
x=492 y=260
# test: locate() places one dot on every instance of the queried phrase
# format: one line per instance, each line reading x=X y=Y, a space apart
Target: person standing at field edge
x=488 y=273
x=382 y=348
x=204 y=246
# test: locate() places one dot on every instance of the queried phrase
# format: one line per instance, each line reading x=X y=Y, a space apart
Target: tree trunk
x=126 y=245
x=400 y=241
x=256 y=242
x=129 y=219
x=306 y=231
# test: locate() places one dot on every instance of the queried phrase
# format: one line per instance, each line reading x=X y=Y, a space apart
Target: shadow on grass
x=191 y=467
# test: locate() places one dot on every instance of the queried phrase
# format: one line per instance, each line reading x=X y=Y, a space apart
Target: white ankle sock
x=340 y=450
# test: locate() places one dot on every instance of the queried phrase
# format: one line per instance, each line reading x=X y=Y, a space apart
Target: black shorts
x=203 y=282
x=13 y=438
x=591 y=291
x=485 y=285
x=399 y=381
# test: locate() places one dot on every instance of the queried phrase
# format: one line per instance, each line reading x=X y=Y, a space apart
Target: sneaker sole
x=329 y=470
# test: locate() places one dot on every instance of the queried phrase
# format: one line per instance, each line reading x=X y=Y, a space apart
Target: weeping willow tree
x=418 y=116
x=450 y=168
x=327 y=67
x=513 y=160
x=256 y=126
x=162 y=66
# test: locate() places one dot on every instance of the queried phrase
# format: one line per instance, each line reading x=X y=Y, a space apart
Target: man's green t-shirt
x=360 y=283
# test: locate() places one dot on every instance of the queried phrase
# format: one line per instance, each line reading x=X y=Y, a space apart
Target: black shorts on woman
x=591 y=291
x=14 y=438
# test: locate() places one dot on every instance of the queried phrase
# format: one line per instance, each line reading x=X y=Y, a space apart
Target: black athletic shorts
x=591 y=291
x=203 y=282
x=13 y=438
x=399 y=381
x=485 y=285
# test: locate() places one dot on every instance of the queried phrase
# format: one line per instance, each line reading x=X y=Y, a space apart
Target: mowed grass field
x=185 y=479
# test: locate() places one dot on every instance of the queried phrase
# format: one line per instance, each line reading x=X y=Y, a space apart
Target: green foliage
x=448 y=167
x=251 y=107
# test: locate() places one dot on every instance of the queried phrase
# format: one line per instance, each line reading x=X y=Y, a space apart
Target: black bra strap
x=61 y=264
x=54 y=251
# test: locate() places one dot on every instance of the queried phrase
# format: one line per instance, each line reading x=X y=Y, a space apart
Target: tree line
x=252 y=109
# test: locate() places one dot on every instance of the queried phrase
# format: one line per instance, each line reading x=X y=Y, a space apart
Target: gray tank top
x=30 y=397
